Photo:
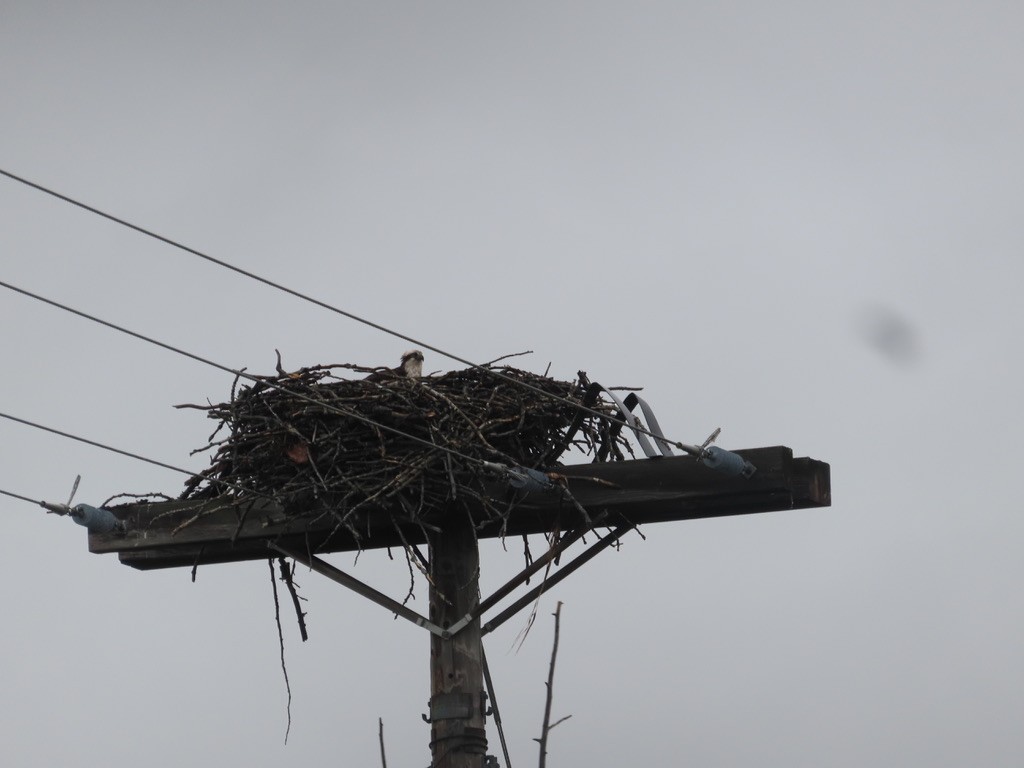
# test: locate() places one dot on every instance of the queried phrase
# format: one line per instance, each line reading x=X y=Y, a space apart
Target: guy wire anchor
x=96 y=519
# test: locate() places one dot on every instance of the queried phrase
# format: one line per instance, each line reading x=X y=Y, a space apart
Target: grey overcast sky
x=798 y=221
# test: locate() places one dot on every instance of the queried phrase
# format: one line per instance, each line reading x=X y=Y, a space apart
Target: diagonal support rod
x=540 y=589
x=326 y=569
x=494 y=707
x=503 y=591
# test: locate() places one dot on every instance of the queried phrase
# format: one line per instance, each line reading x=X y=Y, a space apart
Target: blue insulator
x=526 y=479
x=97 y=520
x=728 y=462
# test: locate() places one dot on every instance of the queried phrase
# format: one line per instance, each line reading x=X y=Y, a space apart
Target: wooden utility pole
x=458 y=703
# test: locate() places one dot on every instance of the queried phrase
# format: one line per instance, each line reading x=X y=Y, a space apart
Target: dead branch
x=288 y=577
x=280 y=639
x=547 y=726
x=507 y=357
x=139 y=498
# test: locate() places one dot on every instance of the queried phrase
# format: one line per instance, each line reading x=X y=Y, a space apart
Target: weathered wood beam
x=169 y=534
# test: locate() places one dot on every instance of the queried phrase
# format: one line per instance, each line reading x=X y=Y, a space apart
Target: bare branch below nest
x=548 y=726
x=287 y=576
x=280 y=639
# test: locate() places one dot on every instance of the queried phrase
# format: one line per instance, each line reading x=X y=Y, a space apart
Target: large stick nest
x=313 y=439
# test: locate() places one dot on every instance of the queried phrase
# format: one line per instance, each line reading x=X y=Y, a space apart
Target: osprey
x=411 y=367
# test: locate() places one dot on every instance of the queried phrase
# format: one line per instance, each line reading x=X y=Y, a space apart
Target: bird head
x=412 y=363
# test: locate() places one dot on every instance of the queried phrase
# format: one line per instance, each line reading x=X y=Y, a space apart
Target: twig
x=280 y=639
x=139 y=498
x=506 y=357
x=559 y=721
x=287 y=574
x=521 y=637
x=195 y=564
x=380 y=734
x=547 y=726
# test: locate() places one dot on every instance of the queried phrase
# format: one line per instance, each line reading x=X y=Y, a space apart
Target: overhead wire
x=93 y=443
x=29 y=499
x=691 y=449
x=297 y=294
x=122 y=452
x=241 y=374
